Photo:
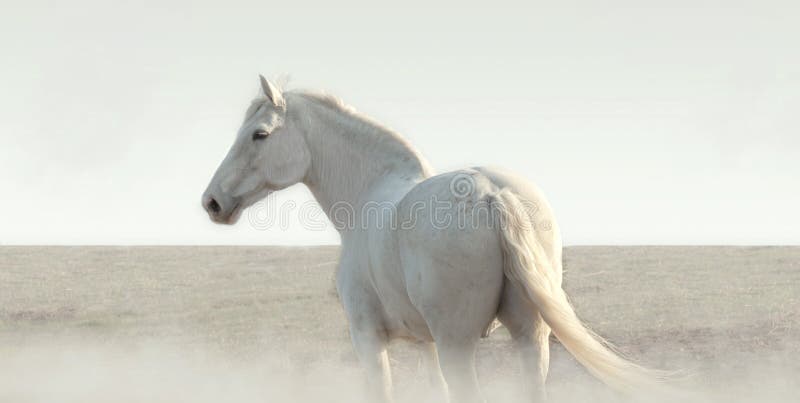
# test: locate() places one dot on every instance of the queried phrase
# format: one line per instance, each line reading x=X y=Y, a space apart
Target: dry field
x=263 y=324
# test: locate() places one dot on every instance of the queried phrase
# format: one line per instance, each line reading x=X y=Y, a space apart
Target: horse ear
x=272 y=92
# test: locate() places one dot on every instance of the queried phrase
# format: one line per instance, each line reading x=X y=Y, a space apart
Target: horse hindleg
x=370 y=347
x=531 y=338
x=458 y=367
x=436 y=380
x=457 y=312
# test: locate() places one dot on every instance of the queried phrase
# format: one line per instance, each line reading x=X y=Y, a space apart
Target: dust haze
x=263 y=324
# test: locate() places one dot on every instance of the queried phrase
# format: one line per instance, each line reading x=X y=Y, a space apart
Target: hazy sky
x=671 y=122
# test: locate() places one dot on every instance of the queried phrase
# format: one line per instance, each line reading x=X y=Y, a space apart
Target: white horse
x=434 y=259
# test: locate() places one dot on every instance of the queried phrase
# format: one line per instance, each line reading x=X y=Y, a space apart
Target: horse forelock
x=255 y=105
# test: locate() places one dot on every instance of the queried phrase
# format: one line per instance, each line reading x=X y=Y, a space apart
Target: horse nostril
x=213 y=206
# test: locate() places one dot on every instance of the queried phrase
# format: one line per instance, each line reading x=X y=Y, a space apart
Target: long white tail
x=526 y=264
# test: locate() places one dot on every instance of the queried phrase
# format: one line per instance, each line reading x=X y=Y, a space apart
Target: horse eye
x=260 y=135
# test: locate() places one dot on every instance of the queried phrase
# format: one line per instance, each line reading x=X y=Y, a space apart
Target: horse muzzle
x=220 y=209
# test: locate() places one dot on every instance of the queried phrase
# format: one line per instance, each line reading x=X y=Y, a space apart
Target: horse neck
x=350 y=154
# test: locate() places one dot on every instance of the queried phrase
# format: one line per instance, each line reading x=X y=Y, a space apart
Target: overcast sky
x=671 y=122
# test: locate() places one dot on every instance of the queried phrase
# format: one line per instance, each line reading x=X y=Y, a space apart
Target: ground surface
x=246 y=324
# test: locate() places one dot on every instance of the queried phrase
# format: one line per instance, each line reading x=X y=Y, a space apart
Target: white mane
x=365 y=133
